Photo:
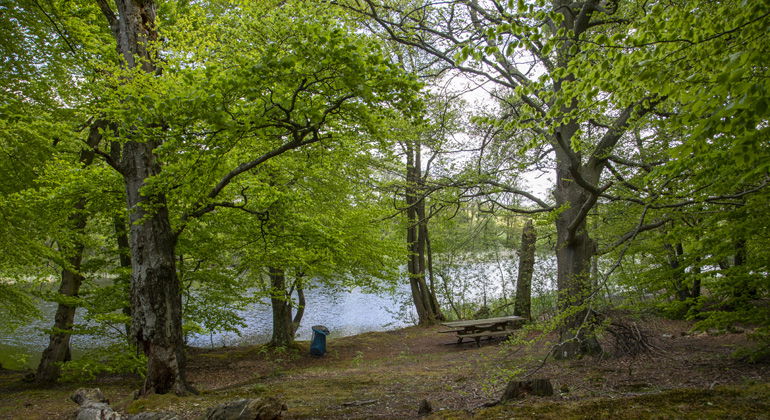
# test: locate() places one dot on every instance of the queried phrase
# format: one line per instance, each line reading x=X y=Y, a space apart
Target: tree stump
x=425 y=408
x=518 y=389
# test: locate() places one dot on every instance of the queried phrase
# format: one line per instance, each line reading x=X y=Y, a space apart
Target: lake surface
x=344 y=313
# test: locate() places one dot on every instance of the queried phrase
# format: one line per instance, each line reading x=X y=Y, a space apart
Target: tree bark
x=58 y=350
x=300 y=306
x=431 y=278
x=428 y=293
x=156 y=300
x=574 y=251
x=155 y=296
x=677 y=271
x=573 y=255
x=283 y=331
x=696 y=271
x=425 y=302
x=576 y=193
x=526 y=269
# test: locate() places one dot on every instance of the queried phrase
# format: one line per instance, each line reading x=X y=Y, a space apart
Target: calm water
x=343 y=313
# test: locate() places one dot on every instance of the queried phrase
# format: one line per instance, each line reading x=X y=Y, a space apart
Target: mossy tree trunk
x=156 y=302
x=428 y=311
x=284 y=325
x=523 y=305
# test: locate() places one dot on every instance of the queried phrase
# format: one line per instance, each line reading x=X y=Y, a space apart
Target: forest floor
x=387 y=374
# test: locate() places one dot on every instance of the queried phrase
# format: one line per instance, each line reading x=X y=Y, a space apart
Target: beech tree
x=281 y=90
x=311 y=222
x=505 y=43
x=705 y=171
x=563 y=74
x=48 y=157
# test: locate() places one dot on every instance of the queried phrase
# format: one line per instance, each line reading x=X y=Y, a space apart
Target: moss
x=726 y=402
x=154 y=402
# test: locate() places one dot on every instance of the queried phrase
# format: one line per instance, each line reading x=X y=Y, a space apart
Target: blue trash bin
x=318 y=342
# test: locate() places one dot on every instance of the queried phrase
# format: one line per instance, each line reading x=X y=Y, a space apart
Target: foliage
x=280 y=123
x=112 y=360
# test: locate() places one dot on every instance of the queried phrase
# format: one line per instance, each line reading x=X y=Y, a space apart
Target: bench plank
x=487 y=333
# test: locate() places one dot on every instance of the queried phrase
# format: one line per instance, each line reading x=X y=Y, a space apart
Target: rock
x=667 y=335
x=154 y=416
x=93 y=405
x=97 y=411
x=251 y=409
x=425 y=408
x=85 y=394
x=518 y=389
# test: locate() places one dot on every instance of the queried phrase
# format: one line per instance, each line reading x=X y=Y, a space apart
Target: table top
x=485 y=321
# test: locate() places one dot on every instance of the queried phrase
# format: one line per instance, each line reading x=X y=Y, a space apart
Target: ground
x=387 y=374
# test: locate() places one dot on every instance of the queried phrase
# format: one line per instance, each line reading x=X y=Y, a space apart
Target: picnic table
x=478 y=328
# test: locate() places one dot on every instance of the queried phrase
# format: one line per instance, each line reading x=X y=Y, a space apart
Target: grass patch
x=724 y=402
x=154 y=402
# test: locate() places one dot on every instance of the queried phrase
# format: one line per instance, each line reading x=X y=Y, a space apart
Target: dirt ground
x=387 y=374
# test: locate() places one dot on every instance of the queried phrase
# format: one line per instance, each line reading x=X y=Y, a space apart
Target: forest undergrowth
x=387 y=375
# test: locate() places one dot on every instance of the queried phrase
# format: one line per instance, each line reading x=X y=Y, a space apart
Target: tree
x=58 y=350
x=526 y=268
x=428 y=311
x=314 y=223
x=41 y=135
x=283 y=92
x=703 y=168
x=573 y=77
x=495 y=41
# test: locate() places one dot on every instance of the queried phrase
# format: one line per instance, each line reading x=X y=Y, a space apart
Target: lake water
x=344 y=313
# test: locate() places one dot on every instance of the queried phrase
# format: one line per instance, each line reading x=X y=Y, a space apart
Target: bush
x=116 y=359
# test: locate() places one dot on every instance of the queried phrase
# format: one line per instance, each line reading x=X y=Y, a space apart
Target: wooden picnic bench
x=479 y=328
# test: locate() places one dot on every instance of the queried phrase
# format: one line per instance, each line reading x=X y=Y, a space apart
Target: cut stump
x=518 y=389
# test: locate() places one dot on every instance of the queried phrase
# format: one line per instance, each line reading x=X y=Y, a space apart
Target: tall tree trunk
x=156 y=301
x=413 y=264
x=743 y=289
x=431 y=278
x=696 y=271
x=574 y=251
x=58 y=350
x=424 y=302
x=676 y=253
x=428 y=293
x=526 y=269
x=155 y=296
x=577 y=181
x=283 y=331
x=300 y=309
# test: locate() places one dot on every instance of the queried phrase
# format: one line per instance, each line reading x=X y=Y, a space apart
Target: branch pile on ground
x=628 y=339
